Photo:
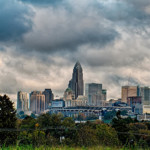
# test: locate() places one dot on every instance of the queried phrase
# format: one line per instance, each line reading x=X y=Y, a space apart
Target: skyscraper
x=37 y=102
x=22 y=101
x=128 y=91
x=49 y=96
x=145 y=93
x=76 y=83
x=95 y=94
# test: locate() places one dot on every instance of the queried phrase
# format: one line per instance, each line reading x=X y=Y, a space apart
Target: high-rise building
x=76 y=83
x=49 y=96
x=95 y=94
x=145 y=94
x=37 y=102
x=129 y=91
x=22 y=101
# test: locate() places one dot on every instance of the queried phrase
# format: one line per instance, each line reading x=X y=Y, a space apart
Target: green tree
x=69 y=132
x=68 y=122
x=38 y=138
x=45 y=120
x=7 y=121
x=86 y=136
x=28 y=123
x=56 y=120
x=107 y=135
x=122 y=128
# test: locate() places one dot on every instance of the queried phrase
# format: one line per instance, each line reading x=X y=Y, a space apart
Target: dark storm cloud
x=58 y=40
x=42 y=2
x=13 y=20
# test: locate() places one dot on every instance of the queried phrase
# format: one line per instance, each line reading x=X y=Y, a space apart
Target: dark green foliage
x=24 y=138
x=7 y=121
x=38 y=138
x=7 y=113
x=68 y=122
x=28 y=123
x=86 y=136
x=106 y=135
x=45 y=120
x=121 y=126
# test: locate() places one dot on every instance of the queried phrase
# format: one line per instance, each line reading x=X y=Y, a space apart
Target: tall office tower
x=49 y=96
x=37 y=102
x=145 y=94
x=129 y=91
x=22 y=101
x=76 y=83
x=96 y=95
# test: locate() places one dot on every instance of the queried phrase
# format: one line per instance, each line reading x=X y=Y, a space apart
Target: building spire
x=77 y=65
x=76 y=83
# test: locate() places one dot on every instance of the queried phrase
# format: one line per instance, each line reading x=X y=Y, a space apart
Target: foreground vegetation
x=66 y=148
x=50 y=131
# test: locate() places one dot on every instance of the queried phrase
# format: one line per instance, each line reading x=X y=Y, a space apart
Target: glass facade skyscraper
x=76 y=83
x=49 y=96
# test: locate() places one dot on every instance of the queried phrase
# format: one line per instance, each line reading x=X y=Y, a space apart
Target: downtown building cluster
x=87 y=98
x=137 y=97
x=36 y=102
x=40 y=101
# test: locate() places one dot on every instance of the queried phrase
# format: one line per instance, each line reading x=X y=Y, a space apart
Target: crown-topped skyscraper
x=76 y=83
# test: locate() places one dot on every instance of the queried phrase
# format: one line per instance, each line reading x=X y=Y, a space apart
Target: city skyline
x=41 y=40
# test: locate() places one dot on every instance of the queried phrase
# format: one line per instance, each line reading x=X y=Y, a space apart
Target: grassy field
x=63 y=148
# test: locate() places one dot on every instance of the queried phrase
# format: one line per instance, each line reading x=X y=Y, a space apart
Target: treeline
x=53 y=130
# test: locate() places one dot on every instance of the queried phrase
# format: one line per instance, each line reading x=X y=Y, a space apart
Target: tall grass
x=30 y=147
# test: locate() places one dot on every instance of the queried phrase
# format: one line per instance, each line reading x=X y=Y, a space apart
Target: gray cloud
x=14 y=20
x=124 y=11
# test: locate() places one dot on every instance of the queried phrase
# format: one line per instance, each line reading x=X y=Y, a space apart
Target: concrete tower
x=37 y=102
x=76 y=83
x=22 y=101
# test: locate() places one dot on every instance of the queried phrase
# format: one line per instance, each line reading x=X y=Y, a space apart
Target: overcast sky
x=41 y=40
